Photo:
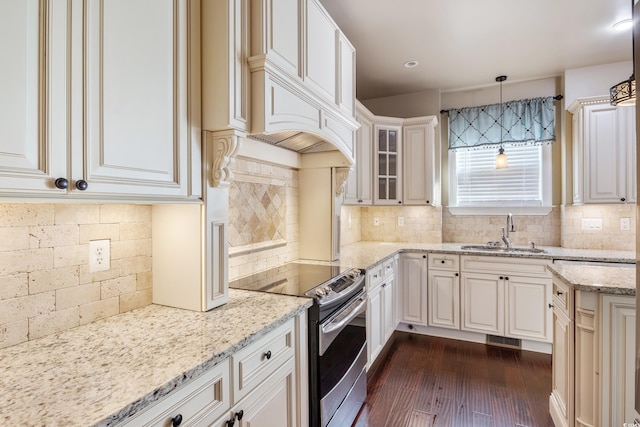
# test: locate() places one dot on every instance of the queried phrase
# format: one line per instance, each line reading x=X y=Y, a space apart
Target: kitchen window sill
x=500 y=210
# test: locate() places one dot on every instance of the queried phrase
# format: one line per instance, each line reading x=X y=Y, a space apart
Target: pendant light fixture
x=624 y=93
x=501 y=160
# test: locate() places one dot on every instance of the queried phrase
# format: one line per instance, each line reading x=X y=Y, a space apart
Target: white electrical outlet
x=99 y=255
x=376 y=221
x=592 y=223
x=400 y=221
x=625 y=224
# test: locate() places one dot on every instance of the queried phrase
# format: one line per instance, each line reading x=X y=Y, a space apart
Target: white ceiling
x=464 y=44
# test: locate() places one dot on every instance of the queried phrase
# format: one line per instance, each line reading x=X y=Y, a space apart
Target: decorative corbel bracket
x=341 y=179
x=222 y=148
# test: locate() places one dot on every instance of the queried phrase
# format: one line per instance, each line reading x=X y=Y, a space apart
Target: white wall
x=510 y=91
x=417 y=104
x=595 y=80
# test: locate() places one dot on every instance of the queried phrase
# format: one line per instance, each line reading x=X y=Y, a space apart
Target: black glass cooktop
x=289 y=279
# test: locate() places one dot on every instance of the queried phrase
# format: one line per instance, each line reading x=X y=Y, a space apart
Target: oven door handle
x=333 y=325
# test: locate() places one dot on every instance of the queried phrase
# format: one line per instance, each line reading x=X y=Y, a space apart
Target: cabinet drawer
x=375 y=276
x=254 y=363
x=563 y=298
x=387 y=267
x=444 y=262
x=505 y=265
x=208 y=395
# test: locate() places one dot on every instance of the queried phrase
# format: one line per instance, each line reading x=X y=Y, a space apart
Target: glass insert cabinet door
x=388 y=190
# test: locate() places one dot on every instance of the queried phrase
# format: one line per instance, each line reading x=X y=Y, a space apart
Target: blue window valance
x=525 y=121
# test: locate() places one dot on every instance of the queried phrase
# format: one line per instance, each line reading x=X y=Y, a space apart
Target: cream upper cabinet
x=225 y=71
x=604 y=160
x=301 y=73
x=34 y=102
x=405 y=158
x=387 y=165
x=320 y=53
x=359 y=188
x=113 y=113
x=346 y=93
x=420 y=162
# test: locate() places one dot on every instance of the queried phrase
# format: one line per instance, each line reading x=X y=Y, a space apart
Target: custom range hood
x=300 y=142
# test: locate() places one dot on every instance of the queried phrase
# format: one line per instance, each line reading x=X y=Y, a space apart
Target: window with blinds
x=477 y=182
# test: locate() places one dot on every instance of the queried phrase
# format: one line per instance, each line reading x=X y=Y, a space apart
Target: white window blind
x=477 y=182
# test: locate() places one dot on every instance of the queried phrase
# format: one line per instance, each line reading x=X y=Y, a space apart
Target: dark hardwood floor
x=429 y=381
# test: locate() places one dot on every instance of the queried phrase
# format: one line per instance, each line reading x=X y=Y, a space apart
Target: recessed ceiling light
x=411 y=64
x=623 y=25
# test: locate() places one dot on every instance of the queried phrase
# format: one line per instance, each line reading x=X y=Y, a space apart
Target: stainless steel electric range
x=337 y=334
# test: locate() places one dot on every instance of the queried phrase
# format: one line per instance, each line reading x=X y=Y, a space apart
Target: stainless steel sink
x=502 y=249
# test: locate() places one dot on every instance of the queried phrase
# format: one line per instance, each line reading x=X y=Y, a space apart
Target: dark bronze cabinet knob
x=268 y=355
x=177 y=420
x=82 y=185
x=240 y=414
x=62 y=183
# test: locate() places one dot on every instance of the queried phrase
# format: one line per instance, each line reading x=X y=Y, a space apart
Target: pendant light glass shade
x=501 y=160
x=624 y=93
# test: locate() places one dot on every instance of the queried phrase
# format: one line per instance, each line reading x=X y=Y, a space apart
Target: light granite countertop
x=607 y=279
x=99 y=373
x=367 y=254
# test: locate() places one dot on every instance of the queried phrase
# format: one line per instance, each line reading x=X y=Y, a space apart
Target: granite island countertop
x=602 y=279
x=367 y=254
x=99 y=373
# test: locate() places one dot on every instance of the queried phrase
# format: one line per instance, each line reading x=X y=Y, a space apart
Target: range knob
x=320 y=292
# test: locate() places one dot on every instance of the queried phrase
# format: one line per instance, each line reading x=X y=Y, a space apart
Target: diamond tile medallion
x=257 y=213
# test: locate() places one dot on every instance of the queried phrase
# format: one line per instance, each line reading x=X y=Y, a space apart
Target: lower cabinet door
x=562 y=374
x=529 y=313
x=389 y=316
x=444 y=299
x=483 y=303
x=375 y=333
x=272 y=404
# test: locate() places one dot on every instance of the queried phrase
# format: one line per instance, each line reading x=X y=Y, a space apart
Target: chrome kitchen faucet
x=510 y=228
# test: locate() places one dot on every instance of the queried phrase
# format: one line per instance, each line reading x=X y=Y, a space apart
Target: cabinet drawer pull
x=240 y=414
x=177 y=420
x=231 y=422
x=442 y=261
x=623 y=199
x=501 y=277
x=456 y=274
x=551 y=305
x=267 y=355
x=558 y=293
x=506 y=278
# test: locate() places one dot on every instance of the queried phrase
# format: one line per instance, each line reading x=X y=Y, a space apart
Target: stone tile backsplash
x=422 y=224
x=45 y=283
x=543 y=230
x=265 y=250
x=611 y=237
